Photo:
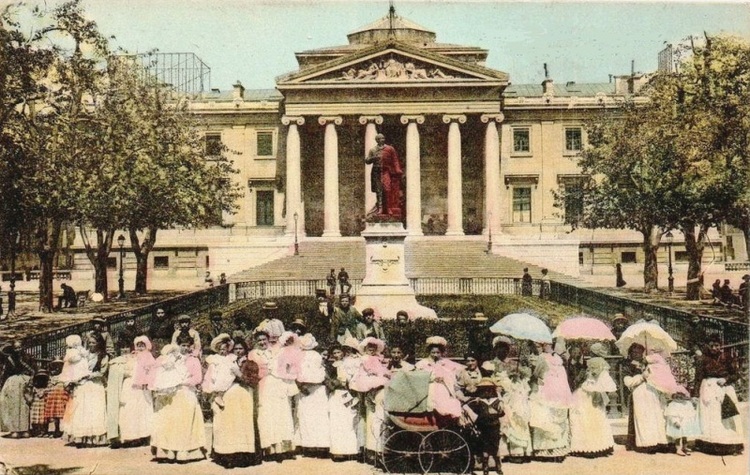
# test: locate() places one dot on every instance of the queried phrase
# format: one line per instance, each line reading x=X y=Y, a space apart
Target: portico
x=440 y=111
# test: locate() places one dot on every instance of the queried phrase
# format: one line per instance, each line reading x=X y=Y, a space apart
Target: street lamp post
x=121 y=281
x=670 y=278
x=296 y=243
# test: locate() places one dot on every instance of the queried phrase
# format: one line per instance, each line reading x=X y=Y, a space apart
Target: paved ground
x=51 y=457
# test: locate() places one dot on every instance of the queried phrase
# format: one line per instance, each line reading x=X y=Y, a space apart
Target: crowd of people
x=722 y=293
x=275 y=393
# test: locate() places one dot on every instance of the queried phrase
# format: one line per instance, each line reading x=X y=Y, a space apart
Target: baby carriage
x=414 y=438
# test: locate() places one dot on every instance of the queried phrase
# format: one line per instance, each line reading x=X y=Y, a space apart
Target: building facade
x=482 y=157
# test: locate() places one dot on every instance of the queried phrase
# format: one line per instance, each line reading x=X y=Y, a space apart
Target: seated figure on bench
x=68 y=299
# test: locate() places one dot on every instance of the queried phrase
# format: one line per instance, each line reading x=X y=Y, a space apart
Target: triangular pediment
x=393 y=63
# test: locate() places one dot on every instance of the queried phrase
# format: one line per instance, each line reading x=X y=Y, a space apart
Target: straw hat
x=619 y=317
x=298 y=324
x=272 y=326
x=183 y=318
x=436 y=340
x=380 y=344
x=486 y=382
x=501 y=339
x=220 y=340
x=270 y=305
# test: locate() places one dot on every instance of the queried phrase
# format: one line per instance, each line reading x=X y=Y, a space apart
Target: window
x=265 y=144
x=161 y=262
x=580 y=258
x=111 y=263
x=264 y=208
x=521 y=141
x=628 y=257
x=521 y=205
x=573 y=141
x=213 y=144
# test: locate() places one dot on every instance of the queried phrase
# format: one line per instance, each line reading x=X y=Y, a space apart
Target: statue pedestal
x=385 y=287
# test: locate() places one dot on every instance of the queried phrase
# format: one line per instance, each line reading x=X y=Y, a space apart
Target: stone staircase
x=425 y=258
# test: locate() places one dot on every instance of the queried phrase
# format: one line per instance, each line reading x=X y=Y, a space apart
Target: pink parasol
x=583 y=328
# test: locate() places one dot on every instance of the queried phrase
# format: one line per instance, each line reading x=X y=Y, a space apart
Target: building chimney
x=547 y=87
x=239 y=91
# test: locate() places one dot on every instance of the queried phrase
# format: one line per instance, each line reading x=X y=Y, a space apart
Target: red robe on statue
x=391 y=178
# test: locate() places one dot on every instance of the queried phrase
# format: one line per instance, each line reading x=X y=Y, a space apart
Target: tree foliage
x=675 y=156
x=89 y=138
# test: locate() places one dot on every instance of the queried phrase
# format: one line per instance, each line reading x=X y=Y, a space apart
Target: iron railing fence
x=49 y=345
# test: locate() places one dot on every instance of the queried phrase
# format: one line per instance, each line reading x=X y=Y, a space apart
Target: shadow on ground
x=41 y=469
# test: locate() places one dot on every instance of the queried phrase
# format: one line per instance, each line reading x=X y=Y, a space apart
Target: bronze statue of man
x=385 y=179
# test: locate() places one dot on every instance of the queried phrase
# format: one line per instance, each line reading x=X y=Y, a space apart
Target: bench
x=82 y=296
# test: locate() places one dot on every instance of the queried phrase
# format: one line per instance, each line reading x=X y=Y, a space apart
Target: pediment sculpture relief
x=390 y=69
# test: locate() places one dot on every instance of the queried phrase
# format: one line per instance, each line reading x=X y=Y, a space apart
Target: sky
x=254 y=41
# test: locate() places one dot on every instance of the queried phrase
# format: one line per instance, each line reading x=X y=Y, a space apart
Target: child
x=37 y=393
x=220 y=376
x=76 y=361
x=682 y=421
x=372 y=372
x=489 y=409
x=56 y=399
x=168 y=376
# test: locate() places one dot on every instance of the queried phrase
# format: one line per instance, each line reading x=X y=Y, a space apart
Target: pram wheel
x=401 y=452
x=444 y=451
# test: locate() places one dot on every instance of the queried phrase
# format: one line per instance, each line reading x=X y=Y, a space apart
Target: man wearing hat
x=217 y=325
x=298 y=327
x=345 y=320
x=319 y=319
x=100 y=327
x=129 y=332
x=183 y=326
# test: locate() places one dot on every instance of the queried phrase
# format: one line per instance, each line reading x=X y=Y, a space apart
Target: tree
x=171 y=169
x=711 y=100
x=628 y=159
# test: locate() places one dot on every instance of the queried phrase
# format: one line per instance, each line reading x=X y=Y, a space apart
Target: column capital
x=498 y=117
x=288 y=119
x=419 y=119
x=336 y=119
x=365 y=119
x=460 y=118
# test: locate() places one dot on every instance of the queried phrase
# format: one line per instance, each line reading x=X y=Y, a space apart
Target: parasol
x=523 y=326
x=649 y=334
x=583 y=327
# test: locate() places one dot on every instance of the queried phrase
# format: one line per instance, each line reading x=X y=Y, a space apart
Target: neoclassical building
x=482 y=157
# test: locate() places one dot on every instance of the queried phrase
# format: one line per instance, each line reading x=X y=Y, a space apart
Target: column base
x=454 y=233
x=331 y=234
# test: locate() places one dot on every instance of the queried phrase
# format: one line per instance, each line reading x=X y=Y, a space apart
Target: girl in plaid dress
x=36 y=395
x=56 y=399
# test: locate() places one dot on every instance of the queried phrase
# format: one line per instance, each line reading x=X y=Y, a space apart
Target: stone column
x=492 y=174
x=413 y=175
x=455 y=201
x=331 y=176
x=370 y=131
x=293 y=175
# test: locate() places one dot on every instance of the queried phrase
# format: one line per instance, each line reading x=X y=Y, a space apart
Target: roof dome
x=391 y=26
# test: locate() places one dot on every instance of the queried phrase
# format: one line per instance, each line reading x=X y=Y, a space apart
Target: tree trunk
x=98 y=257
x=746 y=232
x=142 y=251
x=48 y=236
x=694 y=245
x=651 y=238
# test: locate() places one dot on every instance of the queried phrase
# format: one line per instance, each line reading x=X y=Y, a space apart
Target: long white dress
x=233 y=429
x=275 y=421
x=590 y=431
x=648 y=406
x=344 y=411
x=312 y=406
x=87 y=421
